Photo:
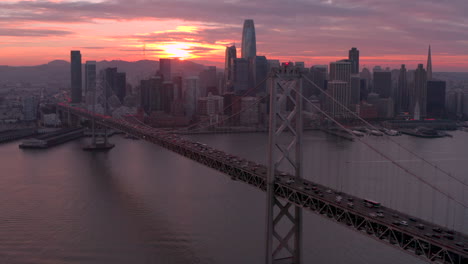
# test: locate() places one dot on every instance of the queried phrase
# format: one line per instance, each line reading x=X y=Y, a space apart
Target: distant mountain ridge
x=57 y=72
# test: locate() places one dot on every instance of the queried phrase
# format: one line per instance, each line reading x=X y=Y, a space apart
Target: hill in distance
x=57 y=72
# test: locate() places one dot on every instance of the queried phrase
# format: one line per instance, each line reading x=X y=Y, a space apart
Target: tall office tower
x=249 y=44
x=436 y=99
x=110 y=76
x=340 y=71
x=231 y=54
x=191 y=95
x=76 y=82
x=120 y=88
x=240 y=68
x=383 y=83
x=419 y=100
x=318 y=74
x=208 y=81
x=354 y=58
x=355 y=90
x=340 y=91
x=249 y=50
x=150 y=92
x=165 y=69
x=90 y=76
x=261 y=72
x=367 y=75
x=402 y=92
x=429 y=65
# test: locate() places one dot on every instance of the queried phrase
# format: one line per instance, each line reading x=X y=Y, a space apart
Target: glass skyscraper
x=76 y=82
x=249 y=43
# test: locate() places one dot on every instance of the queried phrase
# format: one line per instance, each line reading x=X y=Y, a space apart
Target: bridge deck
x=432 y=243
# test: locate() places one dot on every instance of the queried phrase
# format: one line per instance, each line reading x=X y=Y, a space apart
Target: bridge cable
x=387 y=157
x=389 y=138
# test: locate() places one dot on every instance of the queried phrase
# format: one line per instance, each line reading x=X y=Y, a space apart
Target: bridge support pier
x=285 y=93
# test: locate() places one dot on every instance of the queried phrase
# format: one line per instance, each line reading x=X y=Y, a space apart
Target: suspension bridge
x=289 y=193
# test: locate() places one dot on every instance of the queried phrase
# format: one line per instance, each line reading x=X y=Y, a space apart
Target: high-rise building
x=165 y=69
x=419 y=100
x=354 y=58
x=436 y=99
x=340 y=71
x=249 y=50
x=429 y=65
x=150 y=92
x=341 y=94
x=383 y=83
x=261 y=71
x=318 y=74
x=109 y=75
x=249 y=43
x=90 y=76
x=191 y=95
x=208 y=81
x=115 y=83
x=167 y=96
x=240 y=68
x=120 y=88
x=76 y=82
x=355 y=90
x=366 y=75
x=231 y=54
x=402 y=92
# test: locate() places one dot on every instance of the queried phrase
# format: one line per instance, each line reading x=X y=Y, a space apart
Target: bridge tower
x=285 y=149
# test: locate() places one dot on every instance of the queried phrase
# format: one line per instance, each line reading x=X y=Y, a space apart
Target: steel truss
x=285 y=123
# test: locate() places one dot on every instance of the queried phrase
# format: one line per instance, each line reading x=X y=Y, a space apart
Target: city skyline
x=127 y=33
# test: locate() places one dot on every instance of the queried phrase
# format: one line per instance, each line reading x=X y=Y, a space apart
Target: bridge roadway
x=433 y=243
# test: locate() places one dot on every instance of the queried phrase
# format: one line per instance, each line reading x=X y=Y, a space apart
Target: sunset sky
x=387 y=33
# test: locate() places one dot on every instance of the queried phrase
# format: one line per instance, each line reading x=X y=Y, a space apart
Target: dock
x=52 y=139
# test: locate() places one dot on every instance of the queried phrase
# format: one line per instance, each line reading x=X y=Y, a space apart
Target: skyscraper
x=261 y=72
x=354 y=58
x=191 y=95
x=318 y=75
x=120 y=89
x=383 y=83
x=240 y=69
x=90 y=76
x=340 y=71
x=76 y=83
x=436 y=99
x=402 y=92
x=429 y=65
x=231 y=54
x=165 y=69
x=341 y=94
x=249 y=46
x=419 y=100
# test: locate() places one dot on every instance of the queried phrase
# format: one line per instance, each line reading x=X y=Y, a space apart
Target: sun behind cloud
x=177 y=50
